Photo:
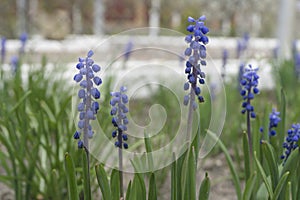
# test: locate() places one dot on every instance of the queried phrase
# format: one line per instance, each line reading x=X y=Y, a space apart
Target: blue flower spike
x=291 y=141
x=119 y=118
x=88 y=94
x=196 y=53
x=274 y=120
x=249 y=83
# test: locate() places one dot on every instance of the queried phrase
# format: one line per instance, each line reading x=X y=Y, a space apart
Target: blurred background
x=57 y=19
x=60 y=20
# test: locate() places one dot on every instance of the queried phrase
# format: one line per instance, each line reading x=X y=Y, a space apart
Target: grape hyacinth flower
x=119 y=120
x=274 y=119
x=297 y=64
x=23 y=38
x=196 y=52
x=242 y=45
x=3 y=49
x=128 y=50
x=224 y=62
x=291 y=141
x=249 y=88
x=88 y=94
x=14 y=62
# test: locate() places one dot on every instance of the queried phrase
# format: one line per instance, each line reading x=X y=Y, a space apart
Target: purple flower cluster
x=3 y=49
x=119 y=120
x=291 y=141
x=274 y=120
x=249 y=88
x=196 y=52
x=88 y=94
x=242 y=45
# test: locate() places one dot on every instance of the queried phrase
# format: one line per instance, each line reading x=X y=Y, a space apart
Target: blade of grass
x=204 y=188
x=149 y=152
x=152 y=194
x=249 y=186
x=86 y=175
x=268 y=151
x=174 y=179
x=114 y=185
x=247 y=156
x=71 y=177
x=280 y=185
x=264 y=176
x=103 y=181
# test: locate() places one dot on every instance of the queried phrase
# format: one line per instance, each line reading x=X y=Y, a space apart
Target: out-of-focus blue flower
x=224 y=61
x=297 y=64
x=242 y=45
x=3 y=49
x=88 y=94
x=291 y=141
x=14 y=62
x=196 y=52
x=119 y=120
x=249 y=88
x=128 y=50
x=23 y=39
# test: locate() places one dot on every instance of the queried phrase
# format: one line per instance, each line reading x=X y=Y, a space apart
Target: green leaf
x=179 y=168
x=268 y=151
x=280 y=185
x=249 y=186
x=247 y=156
x=188 y=180
x=264 y=177
x=138 y=190
x=86 y=175
x=152 y=195
x=149 y=152
x=288 y=191
x=71 y=177
x=103 y=181
x=174 y=179
x=233 y=172
x=128 y=192
x=20 y=101
x=115 y=185
x=281 y=125
x=204 y=188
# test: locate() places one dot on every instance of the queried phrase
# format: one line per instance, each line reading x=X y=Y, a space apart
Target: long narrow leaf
x=128 y=192
x=269 y=155
x=280 y=185
x=71 y=178
x=86 y=175
x=152 y=194
x=149 y=153
x=174 y=179
x=282 y=116
x=249 y=186
x=115 y=185
x=204 y=188
x=288 y=191
x=103 y=181
x=264 y=176
x=188 y=182
x=247 y=156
